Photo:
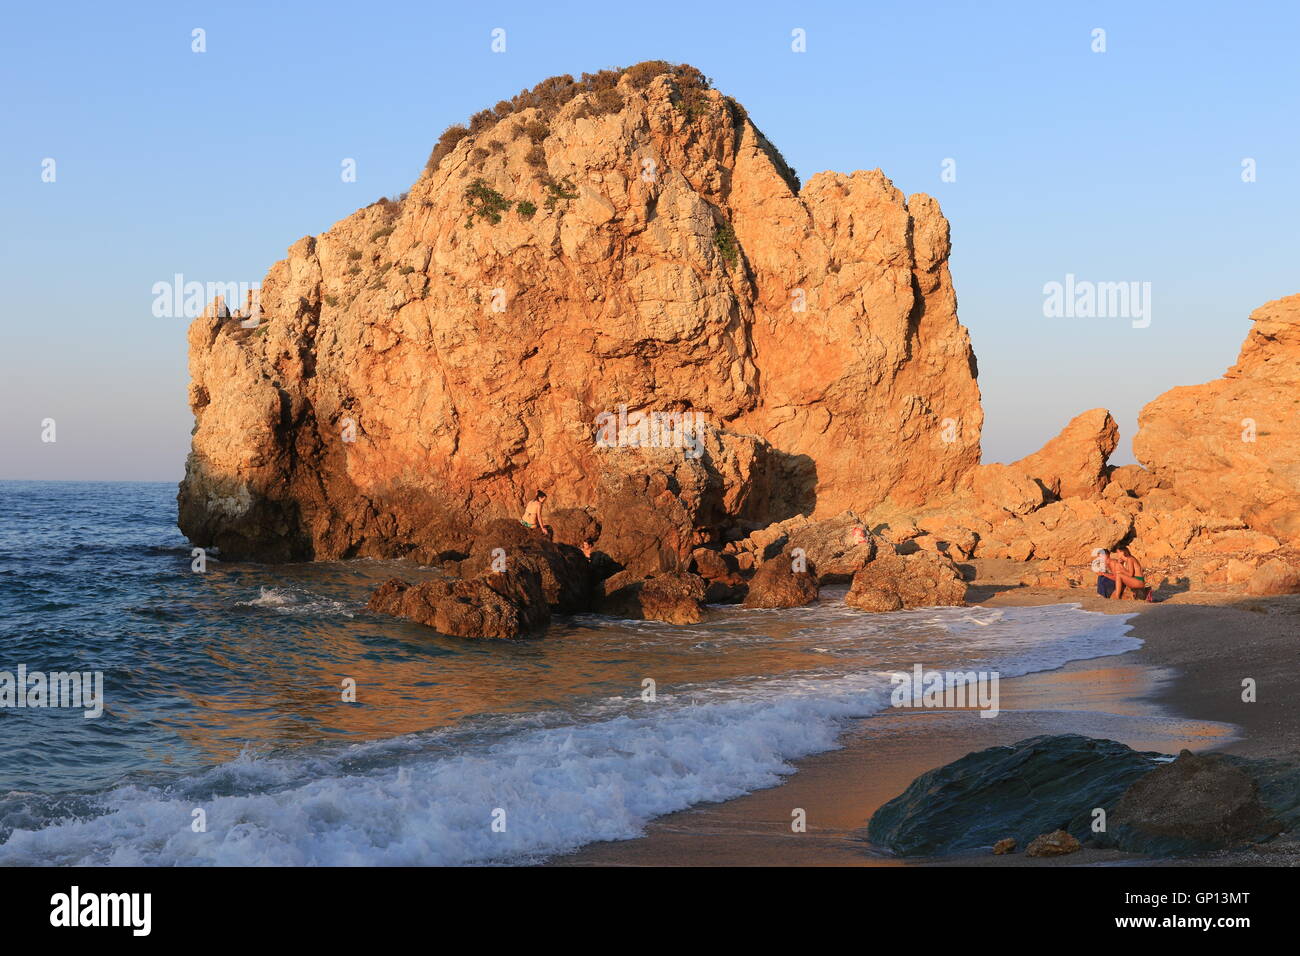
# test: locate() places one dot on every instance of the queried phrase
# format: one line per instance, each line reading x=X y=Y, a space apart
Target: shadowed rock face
x=1035 y=786
x=1197 y=803
x=1232 y=446
x=415 y=375
x=1194 y=804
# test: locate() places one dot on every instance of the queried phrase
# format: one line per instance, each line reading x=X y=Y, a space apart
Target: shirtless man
x=533 y=511
x=1127 y=571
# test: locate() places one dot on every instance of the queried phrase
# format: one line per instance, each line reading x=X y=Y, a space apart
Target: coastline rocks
x=895 y=582
x=776 y=583
x=1232 y=446
x=1056 y=843
x=413 y=377
x=721 y=574
x=1004 y=846
x=1005 y=488
x=1068 y=530
x=564 y=573
x=1036 y=786
x=674 y=597
x=1131 y=480
x=828 y=545
x=506 y=605
x=572 y=526
x=1274 y=577
x=1073 y=464
x=1197 y=803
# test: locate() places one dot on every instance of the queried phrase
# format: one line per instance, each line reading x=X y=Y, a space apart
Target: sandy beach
x=1180 y=690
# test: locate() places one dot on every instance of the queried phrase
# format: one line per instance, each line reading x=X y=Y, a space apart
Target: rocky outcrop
x=563 y=572
x=1073 y=464
x=1232 y=446
x=627 y=244
x=1272 y=578
x=1050 y=787
x=1194 y=804
x=1033 y=787
x=894 y=582
x=783 y=582
x=1001 y=488
x=505 y=605
x=721 y=574
x=838 y=547
x=674 y=597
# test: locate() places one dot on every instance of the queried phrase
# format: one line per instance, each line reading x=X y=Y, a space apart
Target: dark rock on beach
x=721 y=574
x=1047 y=788
x=1200 y=802
x=1030 y=788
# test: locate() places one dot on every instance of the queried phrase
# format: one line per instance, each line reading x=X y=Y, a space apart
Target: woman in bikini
x=533 y=511
x=1127 y=570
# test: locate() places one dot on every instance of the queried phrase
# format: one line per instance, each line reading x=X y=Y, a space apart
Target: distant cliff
x=629 y=239
x=1232 y=446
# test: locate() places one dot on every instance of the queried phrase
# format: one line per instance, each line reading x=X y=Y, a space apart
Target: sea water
x=229 y=735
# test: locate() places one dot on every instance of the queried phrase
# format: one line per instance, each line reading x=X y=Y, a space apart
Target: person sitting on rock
x=533 y=511
x=1128 y=573
x=588 y=547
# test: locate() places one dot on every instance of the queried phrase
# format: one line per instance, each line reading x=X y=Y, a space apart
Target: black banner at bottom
x=330 y=905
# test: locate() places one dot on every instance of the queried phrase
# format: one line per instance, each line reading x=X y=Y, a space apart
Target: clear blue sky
x=1115 y=166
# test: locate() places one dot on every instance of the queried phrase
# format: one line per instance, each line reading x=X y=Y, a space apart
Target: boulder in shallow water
x=1004 y=846
x=721 y=573
x=566 y=575
x=674 y=597
x=776 y=584
x=1032 y=787
x=505 y=605
x=894 y=582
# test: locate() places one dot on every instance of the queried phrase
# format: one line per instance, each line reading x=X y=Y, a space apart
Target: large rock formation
x=1232 y=446
x=628 y=243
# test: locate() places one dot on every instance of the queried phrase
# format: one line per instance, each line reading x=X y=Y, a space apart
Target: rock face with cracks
x=426 y=364
x=1232 y=446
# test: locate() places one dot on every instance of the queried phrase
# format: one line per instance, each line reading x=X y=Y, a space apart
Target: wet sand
x=1180 y=690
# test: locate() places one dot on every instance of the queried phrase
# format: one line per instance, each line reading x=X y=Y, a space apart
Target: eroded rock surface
x=426 y=364
x=1232 y=446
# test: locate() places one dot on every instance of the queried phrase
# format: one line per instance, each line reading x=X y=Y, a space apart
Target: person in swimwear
x=533 y=511
x=1127 y=570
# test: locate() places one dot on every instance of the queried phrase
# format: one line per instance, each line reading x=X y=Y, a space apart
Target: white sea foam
x=293 y=601
x=419 y=800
